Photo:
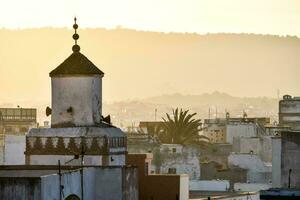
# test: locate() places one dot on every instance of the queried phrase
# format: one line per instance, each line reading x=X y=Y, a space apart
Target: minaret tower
x=76 y=90
x=77 y=127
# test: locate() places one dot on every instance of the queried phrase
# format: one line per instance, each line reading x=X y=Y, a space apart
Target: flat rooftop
x=203 y=195
x=36 y=171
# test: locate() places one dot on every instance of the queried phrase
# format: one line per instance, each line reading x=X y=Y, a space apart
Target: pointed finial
x=76 y=47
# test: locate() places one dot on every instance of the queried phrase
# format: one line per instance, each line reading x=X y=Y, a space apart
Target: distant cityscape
x=168 y=147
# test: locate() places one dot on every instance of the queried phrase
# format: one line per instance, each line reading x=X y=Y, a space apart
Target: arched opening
x=72 y=197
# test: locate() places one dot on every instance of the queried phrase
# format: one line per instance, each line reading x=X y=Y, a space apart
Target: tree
x=181 y=128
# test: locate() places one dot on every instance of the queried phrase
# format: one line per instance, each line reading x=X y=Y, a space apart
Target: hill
x=141 y=64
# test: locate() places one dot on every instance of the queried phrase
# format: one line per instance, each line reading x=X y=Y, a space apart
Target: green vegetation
x=180 y=128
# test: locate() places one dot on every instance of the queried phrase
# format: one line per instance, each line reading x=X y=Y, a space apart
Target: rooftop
x=76 y=64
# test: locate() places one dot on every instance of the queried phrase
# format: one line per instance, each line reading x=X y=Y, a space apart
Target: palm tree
x=181 y=128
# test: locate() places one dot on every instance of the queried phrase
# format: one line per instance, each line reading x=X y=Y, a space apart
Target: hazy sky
x=256 y=16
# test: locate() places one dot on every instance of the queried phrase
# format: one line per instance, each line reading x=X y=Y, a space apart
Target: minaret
x=76 y=90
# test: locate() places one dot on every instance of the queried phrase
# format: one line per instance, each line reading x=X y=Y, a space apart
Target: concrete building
x=214 y=171
x=290 y=159
x=240 y=129
x=14 y=124
x=151 y=127
x=158 y=186
x=257 y=170
x=223 y=130
x=261 y=146
x=276 y=162
x=176 y=159
x=209 y=185
x=17 y=121
x=286 y=145
x=215 y=130
x=289 y=112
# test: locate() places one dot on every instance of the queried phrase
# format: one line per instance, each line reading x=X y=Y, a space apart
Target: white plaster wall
x=251 y=187
x=261 y=146
x=117 y=160
x=276 y=162
x=81 y=93
x=239 y=130
x=258 y=171
x=53 y=160
x=208 y=185
x=184 y=187
x=249 y=161
x=72 y=185
x=267 y=149
x=109 y=184
x=250 y=144
x=185 y=163
x=14 y=150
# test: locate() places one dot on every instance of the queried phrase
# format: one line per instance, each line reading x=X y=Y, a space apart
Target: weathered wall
x=290 y=159
x=14 y=150
x=251 y=187
x=239 y=130
x=112 y=183
x=258 y=171
x=209 y=185
x=20 y=189
x=183 y=164
x=214 y=171
x=289 y=113
x=157 y=187
x=261 y=146
x=130 y=184
x=64 y=159
x=83 y=94
x=276 y=162
x=216 y=153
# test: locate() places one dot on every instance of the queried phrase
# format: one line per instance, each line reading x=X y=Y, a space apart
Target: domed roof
x=76 y=64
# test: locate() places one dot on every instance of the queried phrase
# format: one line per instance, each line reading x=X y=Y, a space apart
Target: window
x=174 y=150
x=172 y=171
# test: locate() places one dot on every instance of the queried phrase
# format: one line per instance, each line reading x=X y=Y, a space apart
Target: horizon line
x=120 y=27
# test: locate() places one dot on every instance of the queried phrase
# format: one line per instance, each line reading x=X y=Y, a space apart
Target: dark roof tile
x=76 y=64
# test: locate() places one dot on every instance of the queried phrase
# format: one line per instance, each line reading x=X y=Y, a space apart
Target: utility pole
x=290 y=172
x=60 y=186
x=81 y=167
x=155 y=114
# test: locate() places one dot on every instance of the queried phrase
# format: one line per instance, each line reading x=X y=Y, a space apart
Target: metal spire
x=76 y=47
